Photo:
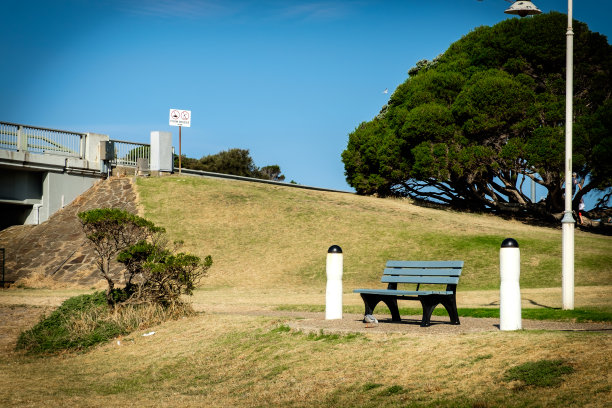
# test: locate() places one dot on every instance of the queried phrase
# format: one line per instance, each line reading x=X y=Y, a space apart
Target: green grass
x=576 y=315
x=84 y=321
x=53 y=333
x=543 y=373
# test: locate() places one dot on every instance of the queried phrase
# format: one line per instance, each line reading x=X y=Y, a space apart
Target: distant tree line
x=233 y=161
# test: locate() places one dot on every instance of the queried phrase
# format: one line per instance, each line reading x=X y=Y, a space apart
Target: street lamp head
x=523 y=8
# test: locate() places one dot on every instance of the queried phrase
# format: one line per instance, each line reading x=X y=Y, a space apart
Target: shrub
x=153 y=272
x=53 y=333
x=84 y=321
x=110 y=231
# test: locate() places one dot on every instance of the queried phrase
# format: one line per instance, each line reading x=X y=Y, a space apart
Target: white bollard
x=509 y=290
x=333 y=293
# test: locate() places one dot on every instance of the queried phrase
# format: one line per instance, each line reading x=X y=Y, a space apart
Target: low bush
x=86 y=320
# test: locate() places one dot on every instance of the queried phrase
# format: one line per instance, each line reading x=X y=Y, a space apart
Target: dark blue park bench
x=430 y=273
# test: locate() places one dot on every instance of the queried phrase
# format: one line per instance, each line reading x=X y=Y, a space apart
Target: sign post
x=180 y=118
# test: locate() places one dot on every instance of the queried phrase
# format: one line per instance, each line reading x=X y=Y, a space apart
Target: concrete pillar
x=333 y=293
x=509 y=291
x=92 y=150
x=161 y=151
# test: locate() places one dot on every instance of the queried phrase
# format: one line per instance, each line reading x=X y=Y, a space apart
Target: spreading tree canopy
x=469 y=128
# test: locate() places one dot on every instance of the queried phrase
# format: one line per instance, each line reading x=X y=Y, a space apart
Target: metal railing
x=40 y=140
x=128 y=153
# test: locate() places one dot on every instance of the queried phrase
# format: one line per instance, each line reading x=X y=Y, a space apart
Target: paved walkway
x=58 y=249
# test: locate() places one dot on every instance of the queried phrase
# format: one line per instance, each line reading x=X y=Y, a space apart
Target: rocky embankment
x=57 y=250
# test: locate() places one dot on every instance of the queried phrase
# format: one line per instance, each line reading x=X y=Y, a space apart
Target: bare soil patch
x=16 y=318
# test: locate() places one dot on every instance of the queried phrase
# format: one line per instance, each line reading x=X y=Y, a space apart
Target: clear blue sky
x=288 y=80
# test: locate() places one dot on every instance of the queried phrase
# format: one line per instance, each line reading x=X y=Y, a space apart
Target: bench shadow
x=414 y=322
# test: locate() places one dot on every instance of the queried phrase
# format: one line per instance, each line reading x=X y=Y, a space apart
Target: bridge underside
x=31 y=191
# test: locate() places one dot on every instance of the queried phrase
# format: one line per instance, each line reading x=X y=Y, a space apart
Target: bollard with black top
x=509 y=290
x=333 y=293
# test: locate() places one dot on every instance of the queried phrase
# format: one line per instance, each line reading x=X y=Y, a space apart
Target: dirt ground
x=16 y=318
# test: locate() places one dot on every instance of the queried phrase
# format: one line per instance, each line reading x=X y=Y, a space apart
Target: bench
x=419 y=273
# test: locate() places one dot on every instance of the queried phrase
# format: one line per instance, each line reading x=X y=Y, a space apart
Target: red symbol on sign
x=175 y=114
x=185 y=115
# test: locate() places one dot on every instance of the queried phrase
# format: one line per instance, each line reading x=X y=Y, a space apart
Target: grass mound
x=263 y=236
x=86 y=320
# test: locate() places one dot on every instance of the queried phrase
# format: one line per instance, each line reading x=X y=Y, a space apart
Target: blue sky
x=288 y=80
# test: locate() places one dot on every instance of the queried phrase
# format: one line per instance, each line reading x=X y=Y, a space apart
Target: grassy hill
x=269 y=245
x=266 y=236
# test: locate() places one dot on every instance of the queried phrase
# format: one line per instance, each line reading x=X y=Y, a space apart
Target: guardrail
x=203 y=173
x=17 y=137
x=128 y=153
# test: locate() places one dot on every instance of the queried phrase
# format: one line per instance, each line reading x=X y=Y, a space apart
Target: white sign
x=179 y=117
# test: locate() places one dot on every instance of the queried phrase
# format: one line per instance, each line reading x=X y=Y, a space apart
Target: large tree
x=470 y=127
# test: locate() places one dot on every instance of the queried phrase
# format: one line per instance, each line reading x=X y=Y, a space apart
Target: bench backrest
x=422 y=272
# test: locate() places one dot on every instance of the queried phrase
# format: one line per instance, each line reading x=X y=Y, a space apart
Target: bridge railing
x=128 y=153
x=40 y=140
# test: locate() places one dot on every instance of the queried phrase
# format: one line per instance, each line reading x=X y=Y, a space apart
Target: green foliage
x=543 y=373
x=237 y=162
x=155 y=274
x=54 y=333
x=111 y=230
x=469 y=127
x=87 y=320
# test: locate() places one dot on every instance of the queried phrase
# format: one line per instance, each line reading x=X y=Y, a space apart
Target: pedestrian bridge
x=42 y=170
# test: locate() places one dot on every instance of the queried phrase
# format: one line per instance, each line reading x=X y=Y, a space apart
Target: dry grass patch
x=263 y=236
x=230 y=360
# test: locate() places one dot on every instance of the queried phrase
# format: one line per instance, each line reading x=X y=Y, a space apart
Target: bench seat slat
x=449 y=280
x=424 y=264
x=421 y=271
x=402 y=292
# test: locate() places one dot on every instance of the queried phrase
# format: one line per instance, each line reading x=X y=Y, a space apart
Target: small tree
x=272 y=172
x=154 y=273
x=111 y=230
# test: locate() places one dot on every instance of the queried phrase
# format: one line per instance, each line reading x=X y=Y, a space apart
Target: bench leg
x=370 y=302
x=450 y=304
x=429 y=303
x=392 y=305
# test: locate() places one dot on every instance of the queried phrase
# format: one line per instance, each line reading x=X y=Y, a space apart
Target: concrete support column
x=92 y=150
x=161 y=151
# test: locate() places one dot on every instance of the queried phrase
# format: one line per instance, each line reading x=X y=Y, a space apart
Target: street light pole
x=525 y=8
x=568 y=222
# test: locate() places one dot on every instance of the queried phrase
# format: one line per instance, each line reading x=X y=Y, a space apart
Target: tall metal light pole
x=525 y=8
x=568 y=222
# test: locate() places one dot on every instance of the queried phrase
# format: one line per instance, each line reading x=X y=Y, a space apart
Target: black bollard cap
x=334 y=249
x=509 y=243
